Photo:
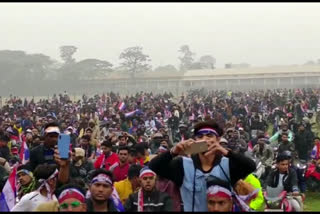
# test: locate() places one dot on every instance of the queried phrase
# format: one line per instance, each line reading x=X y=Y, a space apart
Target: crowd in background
x=129 y=153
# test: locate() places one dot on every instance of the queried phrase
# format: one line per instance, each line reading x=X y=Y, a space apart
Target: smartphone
x=64 y=146
x=197 y=147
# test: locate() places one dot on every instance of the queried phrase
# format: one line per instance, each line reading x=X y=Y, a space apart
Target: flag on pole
x=24 y=153
x=8 y=194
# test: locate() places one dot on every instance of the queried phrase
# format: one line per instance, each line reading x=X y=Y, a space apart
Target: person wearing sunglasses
x=148 y=198
x=190 y=173
x=71 y=198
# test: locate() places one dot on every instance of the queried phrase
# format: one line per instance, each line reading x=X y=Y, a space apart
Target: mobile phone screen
x=64 y=146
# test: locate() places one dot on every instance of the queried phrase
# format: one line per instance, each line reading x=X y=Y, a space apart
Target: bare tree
x=187 y=58
x=134 y=60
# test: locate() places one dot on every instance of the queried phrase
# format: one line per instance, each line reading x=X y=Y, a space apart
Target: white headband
x=102 y=178
x=52 y=129
x=219 y=191
x=44 y=182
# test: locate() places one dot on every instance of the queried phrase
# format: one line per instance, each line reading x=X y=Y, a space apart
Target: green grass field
x=312 y=202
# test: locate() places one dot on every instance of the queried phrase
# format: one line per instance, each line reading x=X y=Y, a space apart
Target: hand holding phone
x=197 y=147
x=64 y=146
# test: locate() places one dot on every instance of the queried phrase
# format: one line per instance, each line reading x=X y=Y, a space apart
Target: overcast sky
x=256 y=33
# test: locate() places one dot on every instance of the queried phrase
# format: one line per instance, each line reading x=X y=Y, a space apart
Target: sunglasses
x=73 y=205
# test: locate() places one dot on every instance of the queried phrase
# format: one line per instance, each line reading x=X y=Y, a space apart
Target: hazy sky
x=257 y=33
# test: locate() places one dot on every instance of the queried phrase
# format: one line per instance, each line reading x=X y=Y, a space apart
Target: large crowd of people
x=139 y=152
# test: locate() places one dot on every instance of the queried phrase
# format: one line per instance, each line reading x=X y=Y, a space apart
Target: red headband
x=71 y=193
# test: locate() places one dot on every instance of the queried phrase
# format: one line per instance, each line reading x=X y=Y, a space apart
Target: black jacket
x=171 y=168
x=37 y=156
x=111 y=206
x=153 y=202
x=290 y=181
x=81 y=171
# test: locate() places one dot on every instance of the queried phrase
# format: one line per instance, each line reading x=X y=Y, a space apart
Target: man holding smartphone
x=190 y=173
x=45 y=153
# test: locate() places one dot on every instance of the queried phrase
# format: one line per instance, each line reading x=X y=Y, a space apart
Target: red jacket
x=120 y=173
x=108 y=162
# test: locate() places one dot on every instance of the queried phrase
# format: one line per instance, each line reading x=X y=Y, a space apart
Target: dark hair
x=52 y=124
x=209 y=123
x=107 y=143
x=86 y=137
x=132 y=152
x=285 y=133
x=68 y=186
x=24 y=166
x=123 y=148
x=212 y=181
x=134 y=171
x=140 y=148
x=44 y=171
x=101 y=171
x=282 y=157
x=4 y=137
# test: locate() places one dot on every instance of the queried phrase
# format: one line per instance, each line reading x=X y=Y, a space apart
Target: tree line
x=19 y=66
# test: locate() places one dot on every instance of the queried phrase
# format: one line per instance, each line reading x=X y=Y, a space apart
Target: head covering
x=146 y=171
x=162 y=149
x=26 y=189
x=79 y=152
x=71 y=193
x=44 y=183
x=102 y=178
x=52 y=129
x=219 y=191
x=143 y=172
x=207 y=130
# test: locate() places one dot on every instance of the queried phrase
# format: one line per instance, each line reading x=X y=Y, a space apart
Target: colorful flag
x=130 y=114
x=116 y=201
x=8 y=194
x=121 y=106
x=24 y=153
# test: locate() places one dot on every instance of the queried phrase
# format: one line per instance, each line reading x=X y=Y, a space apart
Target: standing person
x=129 y=185
x=108 y=158
x=303 y=142
x=44 y=153
x=46 y=178
x=101 y=187
x=165 y=185
x=189 y=173
x=120 y=169
x=148 y=199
